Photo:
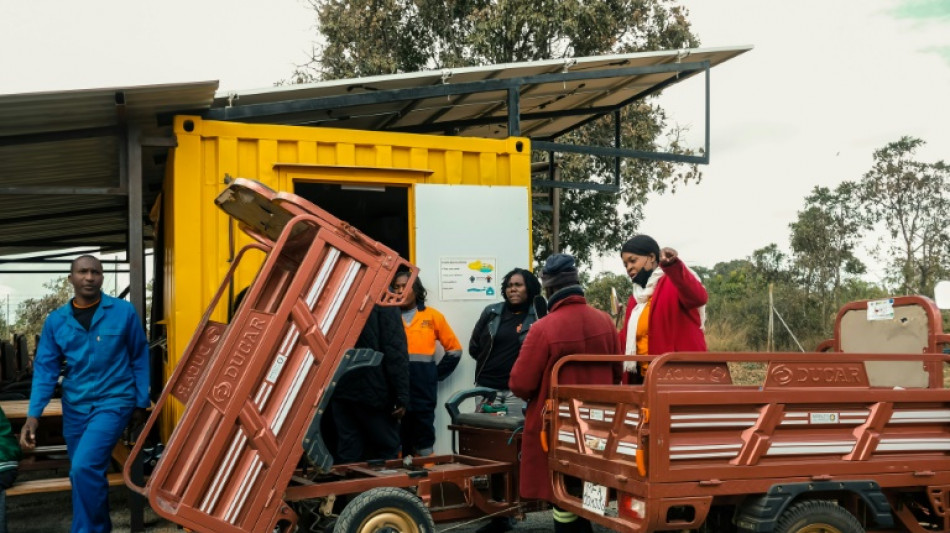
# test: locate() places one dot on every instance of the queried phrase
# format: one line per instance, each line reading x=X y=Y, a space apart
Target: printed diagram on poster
x=468 y=278
x=881 y=309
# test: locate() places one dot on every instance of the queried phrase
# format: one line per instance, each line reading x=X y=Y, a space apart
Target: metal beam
x=618 y=152
x=449 y=89
x=136 y=249
x=514 y=112
x=694 y=68
x=583 y=185
x=502 y=119
x=57 y=271
x=160 y=142
x=42 y=256
x=61 y=239
x=59 y=215
x=56 y=136
x=131 y=176
x=42 y=190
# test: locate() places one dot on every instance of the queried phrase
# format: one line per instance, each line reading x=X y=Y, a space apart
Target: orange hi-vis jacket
x=427 y=327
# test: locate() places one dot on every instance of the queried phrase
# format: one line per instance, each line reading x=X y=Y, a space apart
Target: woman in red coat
x=667 y=310
x=570 y=327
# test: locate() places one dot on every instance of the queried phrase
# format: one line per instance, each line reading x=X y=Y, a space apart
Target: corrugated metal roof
x=56 y=142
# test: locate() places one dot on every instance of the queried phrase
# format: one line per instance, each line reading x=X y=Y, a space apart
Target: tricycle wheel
x=385 y=510
x=817 y=516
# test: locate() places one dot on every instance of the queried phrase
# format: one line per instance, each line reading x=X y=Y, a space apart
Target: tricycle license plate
x=595 y=497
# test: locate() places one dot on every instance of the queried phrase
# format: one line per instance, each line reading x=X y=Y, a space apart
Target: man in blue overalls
x=98 y=343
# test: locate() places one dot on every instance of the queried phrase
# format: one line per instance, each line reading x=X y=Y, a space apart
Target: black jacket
x=385 y=386
x=482 y=341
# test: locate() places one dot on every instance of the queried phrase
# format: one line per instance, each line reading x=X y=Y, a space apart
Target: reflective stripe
x=420 y=358
x=564 y=517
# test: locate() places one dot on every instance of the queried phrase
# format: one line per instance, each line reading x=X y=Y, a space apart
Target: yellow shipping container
x=335 y=168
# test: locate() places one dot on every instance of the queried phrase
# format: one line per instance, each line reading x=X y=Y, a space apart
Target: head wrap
x=560 y=270
x=642 y=245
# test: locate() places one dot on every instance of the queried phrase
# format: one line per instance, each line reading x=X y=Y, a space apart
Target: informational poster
x=881 y=309
x=468 y=278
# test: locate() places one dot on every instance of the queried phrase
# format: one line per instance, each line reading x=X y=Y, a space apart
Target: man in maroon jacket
x=570 y=327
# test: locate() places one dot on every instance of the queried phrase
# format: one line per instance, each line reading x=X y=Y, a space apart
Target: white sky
x=827 y=83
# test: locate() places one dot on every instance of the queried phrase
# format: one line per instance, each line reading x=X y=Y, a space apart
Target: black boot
x=498 y=524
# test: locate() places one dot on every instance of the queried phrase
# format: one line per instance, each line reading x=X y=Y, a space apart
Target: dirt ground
x=50 y=513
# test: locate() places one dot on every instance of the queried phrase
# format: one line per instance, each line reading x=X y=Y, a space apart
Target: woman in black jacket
x=500 y=330
x=496 y=341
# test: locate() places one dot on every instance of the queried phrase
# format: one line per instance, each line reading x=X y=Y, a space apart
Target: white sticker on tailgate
x=275 y=368
x=824 y=418
x=595 y=497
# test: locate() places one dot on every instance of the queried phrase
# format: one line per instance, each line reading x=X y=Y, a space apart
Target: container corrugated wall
x=198 y=235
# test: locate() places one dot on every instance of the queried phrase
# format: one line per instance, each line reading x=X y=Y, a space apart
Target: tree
x=31 y=313
x=823 y=241
x=370 y=37
x=598 y=292
x=5 y=332
x=910 y=200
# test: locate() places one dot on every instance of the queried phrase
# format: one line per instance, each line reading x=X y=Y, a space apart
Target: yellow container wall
x=197 y=232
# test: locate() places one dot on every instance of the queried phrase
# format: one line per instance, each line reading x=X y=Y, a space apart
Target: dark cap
x=642 y=245
x=559 y=270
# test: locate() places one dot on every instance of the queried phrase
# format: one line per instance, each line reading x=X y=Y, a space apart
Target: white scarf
x=642 y=295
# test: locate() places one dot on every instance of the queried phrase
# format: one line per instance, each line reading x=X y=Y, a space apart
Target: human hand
x=399 y=413
x=136 y=423
x=667 y=256
x=28 y=433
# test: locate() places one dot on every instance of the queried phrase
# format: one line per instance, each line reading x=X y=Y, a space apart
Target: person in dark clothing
x=368 y=402
x=500 y=330
x=10 y=455
x=426 y=328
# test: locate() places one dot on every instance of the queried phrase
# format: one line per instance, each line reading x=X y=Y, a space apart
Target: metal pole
x=136 y=257
x=514 y=112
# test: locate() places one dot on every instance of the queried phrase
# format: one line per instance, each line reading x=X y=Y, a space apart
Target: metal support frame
x=618 y=152
x=513 y=88
x=131 y=175
x=514 y=112
x=258 y=111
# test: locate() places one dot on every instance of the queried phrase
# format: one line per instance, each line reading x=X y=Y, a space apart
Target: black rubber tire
x=385 y=510
x=817 y=516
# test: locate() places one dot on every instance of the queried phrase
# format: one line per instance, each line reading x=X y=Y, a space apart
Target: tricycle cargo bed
x=693 y=436
x=252 y=387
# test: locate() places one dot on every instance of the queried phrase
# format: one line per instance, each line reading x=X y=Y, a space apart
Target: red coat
x=571 y=327
x=674 y=313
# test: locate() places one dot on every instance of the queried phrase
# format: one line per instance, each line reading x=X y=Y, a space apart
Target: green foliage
x=910 y=201
x=598 y=291
x=5 y=332
x=31 y=313
x=371 y=37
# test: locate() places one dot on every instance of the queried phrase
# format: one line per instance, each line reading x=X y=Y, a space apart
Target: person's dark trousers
x=418 y=432
x=90 y=438
x=363 y=432
x=7 y=477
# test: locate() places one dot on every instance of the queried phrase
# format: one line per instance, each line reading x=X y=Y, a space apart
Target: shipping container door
x=466 y=239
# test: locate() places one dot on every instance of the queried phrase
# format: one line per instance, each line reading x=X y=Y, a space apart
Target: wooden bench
x=37 y=486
